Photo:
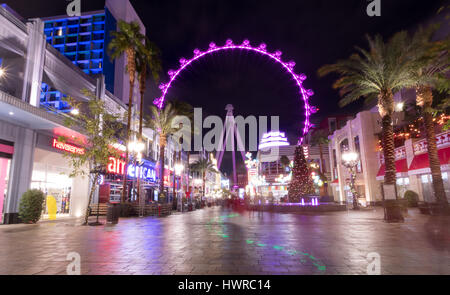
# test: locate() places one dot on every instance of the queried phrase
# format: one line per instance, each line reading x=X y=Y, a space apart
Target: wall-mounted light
x=75 y=112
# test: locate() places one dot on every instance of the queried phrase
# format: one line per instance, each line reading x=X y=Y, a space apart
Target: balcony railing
x=420 y=147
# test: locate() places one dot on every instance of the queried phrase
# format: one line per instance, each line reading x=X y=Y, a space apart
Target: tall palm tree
x=378 y=73
x=162 y=121
x=127 y=41
x=320 y=138
x=202 y=166
x=147 y=59
x=433 y=62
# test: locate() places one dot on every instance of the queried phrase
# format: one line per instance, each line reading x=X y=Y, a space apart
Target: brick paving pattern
x=220 y=241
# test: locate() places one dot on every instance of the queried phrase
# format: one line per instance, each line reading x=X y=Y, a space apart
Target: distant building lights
x=273 y=139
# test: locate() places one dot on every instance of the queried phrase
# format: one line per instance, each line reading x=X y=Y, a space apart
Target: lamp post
x=136 y=147
x=178 y=171
x=350 y=160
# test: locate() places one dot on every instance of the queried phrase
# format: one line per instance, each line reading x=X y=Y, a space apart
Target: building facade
x=358 y=135
x=30 y=154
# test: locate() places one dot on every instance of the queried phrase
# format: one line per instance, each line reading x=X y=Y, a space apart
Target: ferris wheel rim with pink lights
x=276 y=56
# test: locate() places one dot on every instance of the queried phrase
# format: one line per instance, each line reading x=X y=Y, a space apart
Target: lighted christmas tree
x=301 y=183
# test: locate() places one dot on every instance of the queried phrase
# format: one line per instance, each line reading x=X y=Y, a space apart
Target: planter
x=393 y=211
x=424 y=208
x=437 y=209
x=126 y=209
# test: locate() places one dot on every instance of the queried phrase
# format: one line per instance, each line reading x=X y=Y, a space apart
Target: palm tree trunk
x=162 y=146
x=425 y=94
x=388 y=149
x=322 y=167
x=188 y=173
x=142 y=77
x=204 y=182
x=132 y=72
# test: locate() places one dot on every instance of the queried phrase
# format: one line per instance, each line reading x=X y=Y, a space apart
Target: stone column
x=21 y=170
x=34 y=65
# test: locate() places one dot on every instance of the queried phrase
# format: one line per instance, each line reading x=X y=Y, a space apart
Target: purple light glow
x=276 y=56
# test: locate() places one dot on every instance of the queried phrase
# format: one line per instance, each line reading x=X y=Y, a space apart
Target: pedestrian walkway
x=221 y=241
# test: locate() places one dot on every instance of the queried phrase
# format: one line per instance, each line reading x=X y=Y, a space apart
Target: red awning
x=335 y=181
x=421 y=161
x=400 y=166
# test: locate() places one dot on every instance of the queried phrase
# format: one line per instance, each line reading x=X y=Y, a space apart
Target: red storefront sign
x=67 y=147
x=116 y=166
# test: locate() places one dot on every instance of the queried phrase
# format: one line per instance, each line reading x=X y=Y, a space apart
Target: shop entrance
x=51 y=176
x=6 y=152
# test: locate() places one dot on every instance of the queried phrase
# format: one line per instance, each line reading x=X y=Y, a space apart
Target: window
x=332 y=124
x=424 y=178
x=444 y=174
x=344 y=145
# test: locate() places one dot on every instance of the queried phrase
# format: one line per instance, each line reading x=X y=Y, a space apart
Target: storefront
x=51 y=174
x=6 y=154
x=112 y=182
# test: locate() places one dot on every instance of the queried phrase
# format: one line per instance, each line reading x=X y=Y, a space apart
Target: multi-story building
x=361 y=135
x=30 y=154
x=84 y=40
x=357 y=135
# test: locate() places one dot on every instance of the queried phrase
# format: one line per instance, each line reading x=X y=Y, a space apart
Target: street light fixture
x=350 y=161
x=137 y=147
x=2 y=72
x=179 y=169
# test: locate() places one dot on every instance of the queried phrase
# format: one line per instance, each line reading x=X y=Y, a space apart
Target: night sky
x=311 y=33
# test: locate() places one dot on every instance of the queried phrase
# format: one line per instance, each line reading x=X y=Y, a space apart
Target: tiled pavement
x=219 y=241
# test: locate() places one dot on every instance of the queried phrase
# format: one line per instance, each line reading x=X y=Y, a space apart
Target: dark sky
x=311 y=33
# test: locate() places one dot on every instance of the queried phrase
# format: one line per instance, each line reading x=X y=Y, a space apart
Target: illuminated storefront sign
x=67 y=147
x=144 y=171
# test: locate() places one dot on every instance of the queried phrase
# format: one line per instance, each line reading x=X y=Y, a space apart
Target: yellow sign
x=51 y=207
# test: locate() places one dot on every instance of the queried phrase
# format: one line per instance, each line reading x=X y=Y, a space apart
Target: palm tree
x=162 y=121
x=319 y=138
x=127 y=41
x=378 y=73
x=433 y=63
x=202 y=166
x=147 y=59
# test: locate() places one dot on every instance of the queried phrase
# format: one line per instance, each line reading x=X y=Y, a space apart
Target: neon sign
x=144 y=171
x=116 y=166
x=273 y=139
x=67 y=147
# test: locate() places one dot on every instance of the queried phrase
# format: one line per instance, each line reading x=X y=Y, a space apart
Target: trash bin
x=113 y=213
